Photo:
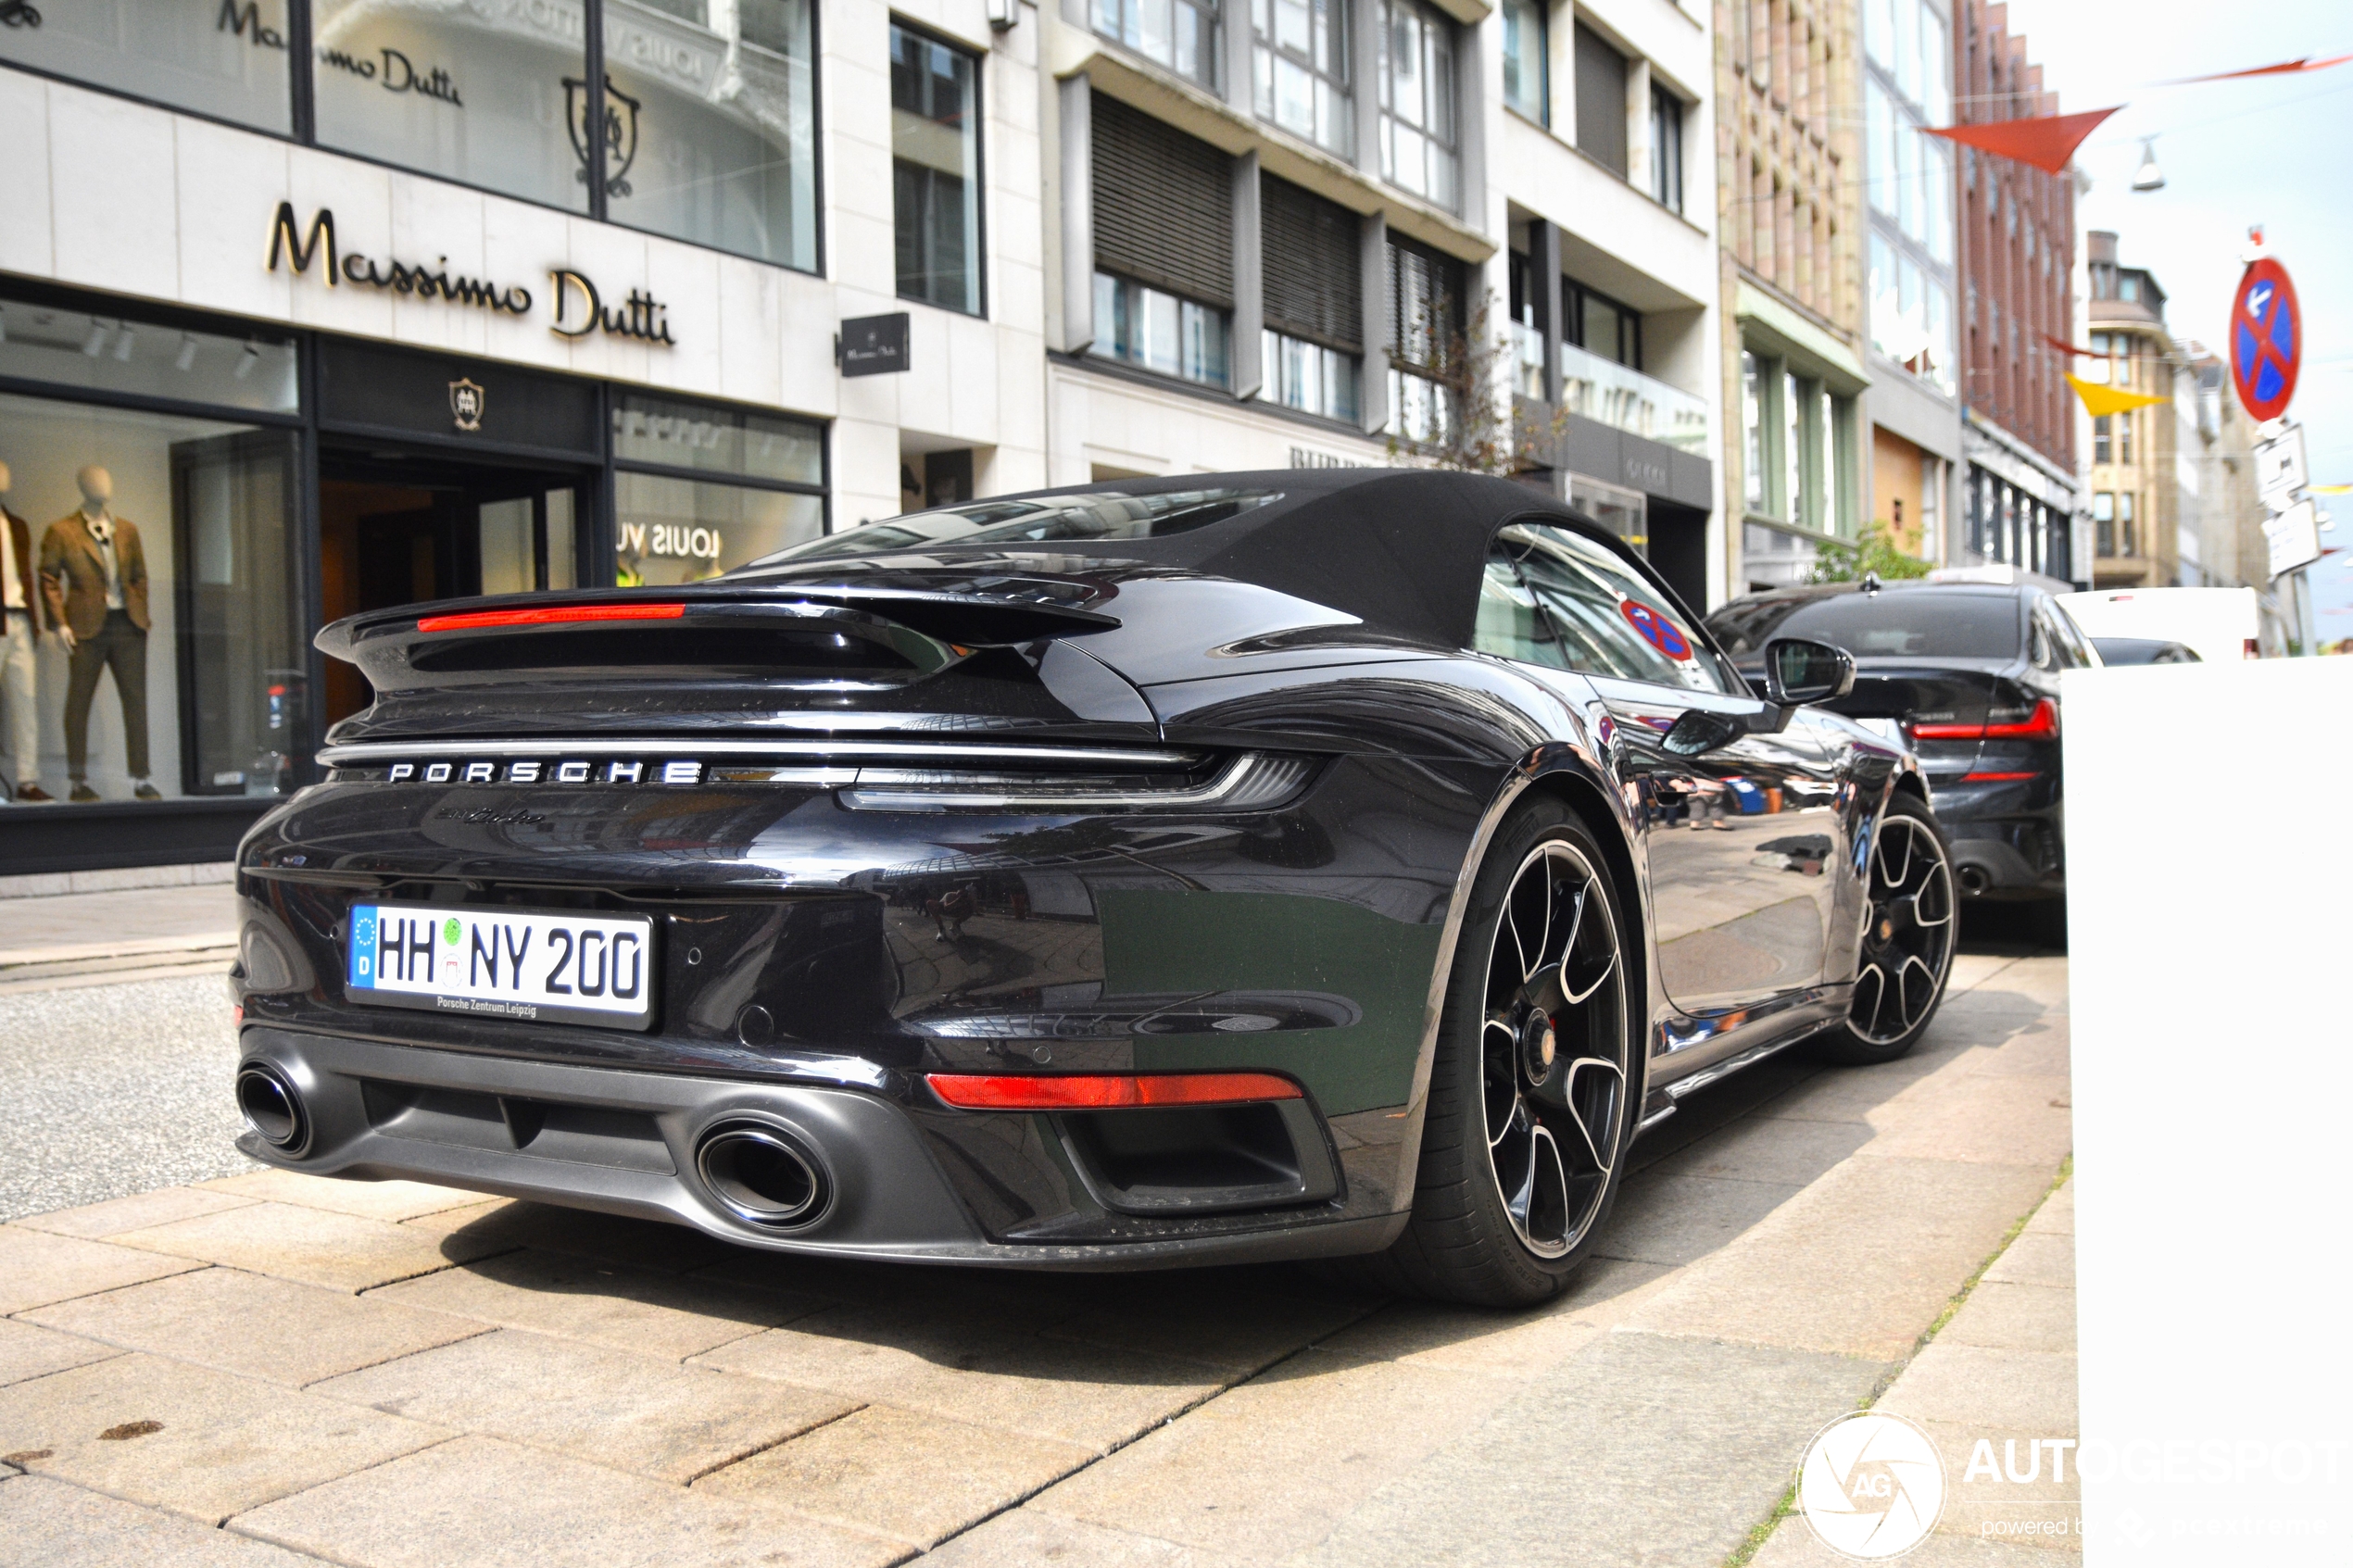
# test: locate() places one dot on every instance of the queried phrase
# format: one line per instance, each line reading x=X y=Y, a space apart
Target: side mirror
x=1698 y=731
x=1798 y=672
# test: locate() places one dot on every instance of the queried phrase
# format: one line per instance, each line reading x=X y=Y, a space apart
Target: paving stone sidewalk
x=277 y=1370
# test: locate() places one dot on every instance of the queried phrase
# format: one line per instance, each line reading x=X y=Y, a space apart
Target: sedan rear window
x=1894 y=625
x=1104 y=514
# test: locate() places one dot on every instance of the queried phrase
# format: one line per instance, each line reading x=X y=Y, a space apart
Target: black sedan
x=1970 y=671
x=2143 y=650
x=1339 y=864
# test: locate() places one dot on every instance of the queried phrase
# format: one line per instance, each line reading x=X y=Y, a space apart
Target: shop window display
x=704 y=488
x=153 y=652
x=686 y=531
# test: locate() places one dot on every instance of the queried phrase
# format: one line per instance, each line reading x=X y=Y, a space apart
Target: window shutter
x=1164 y=205
x=1425 y=303
x=1313 y=269
x=1600 y=99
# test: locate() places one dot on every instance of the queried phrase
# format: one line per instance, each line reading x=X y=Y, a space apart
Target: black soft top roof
x=1401 y=549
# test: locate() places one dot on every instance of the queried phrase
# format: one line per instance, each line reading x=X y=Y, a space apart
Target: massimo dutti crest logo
x=468 y=402
x=578 y=309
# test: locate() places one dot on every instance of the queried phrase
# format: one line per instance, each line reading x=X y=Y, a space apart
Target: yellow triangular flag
x=2101 y=399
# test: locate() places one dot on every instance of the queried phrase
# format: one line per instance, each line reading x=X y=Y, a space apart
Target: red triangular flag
x=2071 y=348
x=2283 y=68
x=2046 y=141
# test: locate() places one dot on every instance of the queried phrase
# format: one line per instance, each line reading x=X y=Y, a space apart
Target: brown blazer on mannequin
x=35 y=600
x=73 y=575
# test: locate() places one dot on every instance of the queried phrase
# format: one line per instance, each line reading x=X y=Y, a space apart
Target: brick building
x=1790 y=226
x=2020 y=501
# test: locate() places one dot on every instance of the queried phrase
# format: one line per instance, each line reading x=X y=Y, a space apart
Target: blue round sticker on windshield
x=1656 y=630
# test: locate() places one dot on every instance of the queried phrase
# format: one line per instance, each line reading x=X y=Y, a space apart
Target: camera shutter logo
x=1873 y=1487
x=466 y=403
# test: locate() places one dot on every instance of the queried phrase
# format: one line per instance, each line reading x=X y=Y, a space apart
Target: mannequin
x=19 y=684
x=94 y=575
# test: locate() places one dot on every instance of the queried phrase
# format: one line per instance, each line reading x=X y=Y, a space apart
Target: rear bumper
x=2000 y=851
x=623 y=1142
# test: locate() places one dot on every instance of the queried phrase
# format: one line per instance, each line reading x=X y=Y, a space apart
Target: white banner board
x=2294 y=537
x=2209 y=986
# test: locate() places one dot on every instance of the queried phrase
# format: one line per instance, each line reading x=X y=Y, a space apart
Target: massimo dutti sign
x=577 y=307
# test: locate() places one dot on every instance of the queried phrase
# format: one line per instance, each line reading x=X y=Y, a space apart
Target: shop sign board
x=2280 y=470
x=874 y=346
x=2267 y=339
x=575 y=306
x=2293 y=536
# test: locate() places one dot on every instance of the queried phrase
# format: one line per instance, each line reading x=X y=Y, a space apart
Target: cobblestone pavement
x=266 y=1369
x=115 y=1089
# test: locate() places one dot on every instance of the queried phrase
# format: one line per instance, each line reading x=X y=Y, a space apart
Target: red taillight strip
x=2042 y=724
x=554 y=615
x=1996 y=778
x=1104 y=1091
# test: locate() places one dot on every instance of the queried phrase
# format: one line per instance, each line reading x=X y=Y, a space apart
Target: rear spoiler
x=707 y=625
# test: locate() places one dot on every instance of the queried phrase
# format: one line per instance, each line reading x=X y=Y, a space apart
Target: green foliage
x=1873 y=553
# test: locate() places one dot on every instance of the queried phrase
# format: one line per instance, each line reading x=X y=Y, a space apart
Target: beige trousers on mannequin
x=20 y=693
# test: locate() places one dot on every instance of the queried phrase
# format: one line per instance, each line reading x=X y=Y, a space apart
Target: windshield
x=1897 y=624
x=1102 y=514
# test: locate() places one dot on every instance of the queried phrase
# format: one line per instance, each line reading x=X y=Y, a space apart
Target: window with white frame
x=1419 y=149
x=1909 y=180
x=1298 y=55
x=1178 y=35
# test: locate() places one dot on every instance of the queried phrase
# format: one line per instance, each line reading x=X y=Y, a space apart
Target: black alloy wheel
x=1909 y=926
x=1532 y=1092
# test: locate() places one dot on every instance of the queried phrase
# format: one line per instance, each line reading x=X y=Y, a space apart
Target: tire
x=1505 y=1218
x=1905 y=943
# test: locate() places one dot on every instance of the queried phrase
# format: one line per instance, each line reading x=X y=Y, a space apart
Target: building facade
x=1912 y=412
x=318 y=307
x=2022 y=501
x=1789 y=220
x=2143 y=471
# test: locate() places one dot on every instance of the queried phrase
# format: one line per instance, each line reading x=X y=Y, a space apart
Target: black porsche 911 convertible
x=1328 y=864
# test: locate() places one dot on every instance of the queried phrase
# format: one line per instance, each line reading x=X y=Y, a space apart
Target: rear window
x=1104 y=514
x=1893 y=625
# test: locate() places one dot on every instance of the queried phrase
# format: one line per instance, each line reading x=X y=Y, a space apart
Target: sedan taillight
x=2039 y=724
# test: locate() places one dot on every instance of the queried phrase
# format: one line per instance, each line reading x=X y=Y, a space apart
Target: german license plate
x=504 y=963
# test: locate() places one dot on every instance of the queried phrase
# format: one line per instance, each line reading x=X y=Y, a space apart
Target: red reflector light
x=2041 y=724
x=554 y=615
x=1995 y=778
x=1104 y=1091
x=1946 y=732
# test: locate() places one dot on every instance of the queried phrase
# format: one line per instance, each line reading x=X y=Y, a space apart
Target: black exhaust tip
x=1974 y=881
x=272 y=1107
x=759 y=1174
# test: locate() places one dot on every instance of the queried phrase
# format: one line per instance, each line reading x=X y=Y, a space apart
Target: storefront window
x=117 y=354
x=221 y=58
x=935 y=146
x=706 y=488
x=494 y=97
x=709 y=123
x=675 y=434
x=156 y=653
x=686 y=531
